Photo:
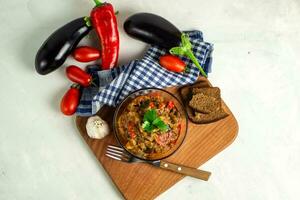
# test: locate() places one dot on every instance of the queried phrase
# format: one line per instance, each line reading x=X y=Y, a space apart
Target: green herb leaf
x=160 y=124
x=157 y=121
x=151 y=120
x=147 y=126
x=150 y=115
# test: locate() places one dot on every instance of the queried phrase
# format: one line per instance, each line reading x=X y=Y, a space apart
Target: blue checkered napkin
x=117 y=83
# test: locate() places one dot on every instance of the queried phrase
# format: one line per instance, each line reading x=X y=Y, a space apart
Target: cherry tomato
x=172 y=63
x=79 y=76
x=70 y=100
x=86 y=54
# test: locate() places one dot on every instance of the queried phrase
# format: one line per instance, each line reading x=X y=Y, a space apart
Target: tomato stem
x=94 y=84
x=186 y=70
x=75 y=85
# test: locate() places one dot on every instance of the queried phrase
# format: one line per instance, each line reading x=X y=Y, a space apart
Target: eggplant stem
x=98 y=3
x=88 y=22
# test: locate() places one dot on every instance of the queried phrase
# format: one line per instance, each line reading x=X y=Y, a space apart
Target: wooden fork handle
x=188 y=171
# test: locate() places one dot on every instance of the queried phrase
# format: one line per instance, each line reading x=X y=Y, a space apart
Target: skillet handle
x=188 y=171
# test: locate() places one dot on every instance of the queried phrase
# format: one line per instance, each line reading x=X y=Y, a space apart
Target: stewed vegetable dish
x=149 y=126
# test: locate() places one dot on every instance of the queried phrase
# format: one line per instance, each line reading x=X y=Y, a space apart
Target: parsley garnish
x=152 y=121
x=160 y=124
x=147 y=126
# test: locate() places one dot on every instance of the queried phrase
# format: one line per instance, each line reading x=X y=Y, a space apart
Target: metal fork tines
x=118 y=153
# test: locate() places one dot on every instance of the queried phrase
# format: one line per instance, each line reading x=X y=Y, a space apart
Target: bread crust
x=203 y=103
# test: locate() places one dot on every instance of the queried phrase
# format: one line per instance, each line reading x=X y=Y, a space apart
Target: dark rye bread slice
x=201 y=118
x=205 y=99
x=209 y=91
x=204 y=103
x=186 y=93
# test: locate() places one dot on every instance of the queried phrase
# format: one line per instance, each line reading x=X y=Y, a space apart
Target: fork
x=120 y=154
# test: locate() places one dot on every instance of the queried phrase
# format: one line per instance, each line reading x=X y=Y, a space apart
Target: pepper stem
x=98 y=3
x=185 y=49
x=191 y=56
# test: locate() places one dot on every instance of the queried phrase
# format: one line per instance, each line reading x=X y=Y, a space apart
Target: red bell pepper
x=105 y=23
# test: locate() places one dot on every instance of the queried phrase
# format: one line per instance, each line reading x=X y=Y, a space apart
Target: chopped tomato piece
x=152 y=105
x=170 y=105
x=131 y=131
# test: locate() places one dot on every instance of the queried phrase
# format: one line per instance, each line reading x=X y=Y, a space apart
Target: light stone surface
x=255 y=64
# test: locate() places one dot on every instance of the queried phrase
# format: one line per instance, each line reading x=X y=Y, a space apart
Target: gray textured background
x=255 y=64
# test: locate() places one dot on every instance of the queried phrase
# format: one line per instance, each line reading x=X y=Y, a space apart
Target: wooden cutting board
x=142 y=181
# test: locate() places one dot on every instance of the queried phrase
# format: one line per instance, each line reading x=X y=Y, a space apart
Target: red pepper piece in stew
x=151 y=105
x=170 y=105
x=131 y=131
x=105 y=23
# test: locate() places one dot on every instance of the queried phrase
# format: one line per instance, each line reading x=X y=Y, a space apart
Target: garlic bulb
x=96 y=127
